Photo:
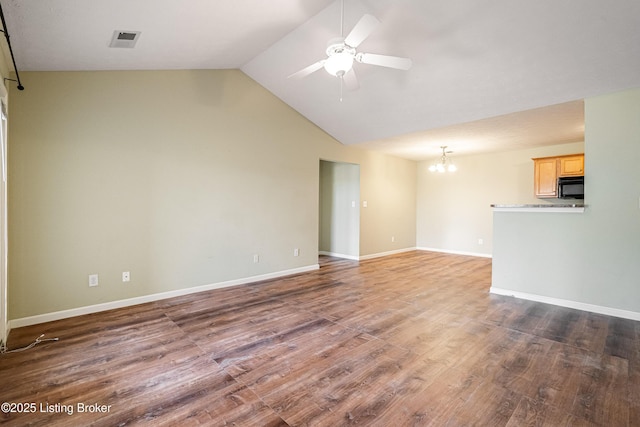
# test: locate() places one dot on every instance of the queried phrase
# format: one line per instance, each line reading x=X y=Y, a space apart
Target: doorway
x=339 y=228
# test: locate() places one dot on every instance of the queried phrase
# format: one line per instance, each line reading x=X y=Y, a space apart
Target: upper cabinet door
x=572 y=165
x=546 y=177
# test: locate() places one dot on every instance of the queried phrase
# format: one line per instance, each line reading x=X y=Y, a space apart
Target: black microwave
x=571 y=187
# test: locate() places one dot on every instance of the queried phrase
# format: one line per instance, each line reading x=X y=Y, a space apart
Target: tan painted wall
x=179 y=177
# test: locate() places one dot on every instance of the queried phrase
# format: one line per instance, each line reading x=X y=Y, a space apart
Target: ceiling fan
x=341 y=53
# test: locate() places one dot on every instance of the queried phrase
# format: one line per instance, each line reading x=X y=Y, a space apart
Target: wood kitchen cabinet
x=547 y=170
x=571 y=166
x=545 y=177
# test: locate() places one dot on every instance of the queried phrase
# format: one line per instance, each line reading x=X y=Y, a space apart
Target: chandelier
x=444 y=164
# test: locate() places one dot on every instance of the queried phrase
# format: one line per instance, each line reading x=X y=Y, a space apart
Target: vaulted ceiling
x=487 y=75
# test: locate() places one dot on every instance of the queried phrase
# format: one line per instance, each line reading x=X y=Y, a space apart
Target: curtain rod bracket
x=20 y=87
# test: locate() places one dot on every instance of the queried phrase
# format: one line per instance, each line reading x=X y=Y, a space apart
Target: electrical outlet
x=93 y=280
x=256 y=258
x=126 y=276
x=480 y=241
x=393 y=239
x=296 y=252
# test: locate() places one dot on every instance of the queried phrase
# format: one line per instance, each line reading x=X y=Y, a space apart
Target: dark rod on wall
x=6 y=35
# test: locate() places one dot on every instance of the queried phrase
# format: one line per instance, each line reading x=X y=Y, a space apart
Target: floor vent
x=125 y=39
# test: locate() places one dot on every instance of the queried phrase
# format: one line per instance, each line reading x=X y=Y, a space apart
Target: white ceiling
x=488 y=75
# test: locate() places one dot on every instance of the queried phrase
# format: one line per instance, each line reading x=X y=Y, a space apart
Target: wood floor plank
x=602 y=396
x=621 y=339
x=412 y=339
x=489 y=405
x=338 y=382
x=559 y=386
x=426 y=403
x=519 y=369
x=535 y=413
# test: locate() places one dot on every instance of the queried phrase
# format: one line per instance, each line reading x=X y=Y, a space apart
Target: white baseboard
x=381 y=254
x=365 y=257
x=447 y=251
x=399 y=251
x=57 y=315
x=615 y=312
x=338 y=255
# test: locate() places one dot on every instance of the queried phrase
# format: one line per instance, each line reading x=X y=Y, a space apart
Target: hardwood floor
x=407 y=340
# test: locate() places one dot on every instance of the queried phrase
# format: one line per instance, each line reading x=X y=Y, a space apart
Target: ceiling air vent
x=126 y=39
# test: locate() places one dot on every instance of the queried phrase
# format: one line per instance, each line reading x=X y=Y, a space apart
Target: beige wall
x=179 y=177
x=453 y=209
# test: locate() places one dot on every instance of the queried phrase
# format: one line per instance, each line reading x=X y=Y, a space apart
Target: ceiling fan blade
x=384 y=60
x=350 y=80
x=307 y=70
x=362 y=30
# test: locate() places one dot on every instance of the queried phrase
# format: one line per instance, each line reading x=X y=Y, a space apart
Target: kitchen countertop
x=542 y=207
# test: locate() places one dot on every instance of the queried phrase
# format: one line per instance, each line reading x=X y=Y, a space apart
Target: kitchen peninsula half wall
x=538 y=255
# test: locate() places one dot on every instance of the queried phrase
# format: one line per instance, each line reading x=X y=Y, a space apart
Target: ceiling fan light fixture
x=339 y=64
x=339 y=58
